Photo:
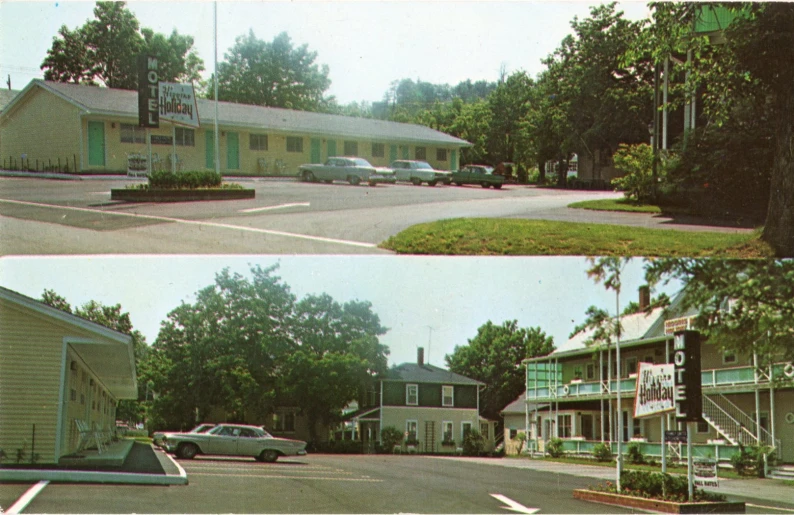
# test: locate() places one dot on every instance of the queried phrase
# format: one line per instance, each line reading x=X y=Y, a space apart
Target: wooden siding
x=397 y=416
x=42 y=126
x=430 y=395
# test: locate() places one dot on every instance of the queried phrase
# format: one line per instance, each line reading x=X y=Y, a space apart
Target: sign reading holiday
x=178 y=104
x=148 y=89
x=655 y=388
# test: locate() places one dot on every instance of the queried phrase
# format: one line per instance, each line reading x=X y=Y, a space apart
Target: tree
x=743 y=306
x=494 y=357
x=113 y=43
x=67 y=59
x=177 y=60
x=509 y=104
x=273 y=74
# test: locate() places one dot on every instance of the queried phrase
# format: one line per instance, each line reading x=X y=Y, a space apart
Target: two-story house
x=432 y=406
x=744 y=400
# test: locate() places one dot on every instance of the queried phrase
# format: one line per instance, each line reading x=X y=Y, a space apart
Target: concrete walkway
x=771 y=490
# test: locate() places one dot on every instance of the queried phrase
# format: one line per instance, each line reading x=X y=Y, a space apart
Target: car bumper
x=301 y=453
x=389 y=179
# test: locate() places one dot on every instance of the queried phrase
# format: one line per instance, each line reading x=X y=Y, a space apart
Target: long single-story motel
x=70 y=127
x=61 y=377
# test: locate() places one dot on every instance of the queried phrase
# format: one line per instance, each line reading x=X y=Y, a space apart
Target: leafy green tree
x=114 y=43
x=177 y=60
x=67 y=59
x=744 y=306
x=635 y=162
x=509 y=104
x=494 y=357
x=275 y=74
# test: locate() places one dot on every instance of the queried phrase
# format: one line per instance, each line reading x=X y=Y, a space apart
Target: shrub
x=656 y=485
x=602 y=452
x=389 y=437
x=636 y=163
x=473 y=443
x=749 y=460
x=635 y=455
x=343 y=447
x=165 y=179
x=554 y=447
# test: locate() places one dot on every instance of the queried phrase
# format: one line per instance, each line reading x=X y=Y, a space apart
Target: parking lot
x=39 y=216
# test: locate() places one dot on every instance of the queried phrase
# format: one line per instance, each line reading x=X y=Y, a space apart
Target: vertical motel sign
x=148 y=92
x=686 y=360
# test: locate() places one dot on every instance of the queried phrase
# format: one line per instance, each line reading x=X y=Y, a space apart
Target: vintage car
x=157 y=437
x=354 y=170
x=417 y=172
x=478 y=174
x=233 y=440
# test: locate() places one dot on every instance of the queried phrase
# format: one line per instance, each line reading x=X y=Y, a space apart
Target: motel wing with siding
x=87 y=128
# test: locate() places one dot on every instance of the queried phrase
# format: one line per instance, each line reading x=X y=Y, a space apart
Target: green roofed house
x=61 y=378
x=433 y=407
x=745 y=402
x=68 y=127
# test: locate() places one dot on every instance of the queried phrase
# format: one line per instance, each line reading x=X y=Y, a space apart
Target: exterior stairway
x=736 y=426
x=782 y=472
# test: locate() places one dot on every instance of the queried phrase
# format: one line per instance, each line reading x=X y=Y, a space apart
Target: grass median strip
x=511 y=237
x=616 y=204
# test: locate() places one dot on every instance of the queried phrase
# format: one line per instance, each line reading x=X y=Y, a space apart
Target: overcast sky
x=366 y=44
x=431 y=302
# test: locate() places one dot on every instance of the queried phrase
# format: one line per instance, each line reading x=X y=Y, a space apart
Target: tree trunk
x=542 y=170
x=779 y=227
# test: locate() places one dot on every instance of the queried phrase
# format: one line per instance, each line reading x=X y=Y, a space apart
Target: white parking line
x=197 y=222
x=28 y=496
x=269 y=208
x=303 y=478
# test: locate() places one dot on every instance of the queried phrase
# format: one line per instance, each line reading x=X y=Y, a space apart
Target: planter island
x=659 y=505
x=177 y=195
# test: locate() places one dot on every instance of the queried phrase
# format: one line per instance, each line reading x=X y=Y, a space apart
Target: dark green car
x=478 y=174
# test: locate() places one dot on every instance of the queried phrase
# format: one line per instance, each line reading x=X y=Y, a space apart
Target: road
x=39 y=216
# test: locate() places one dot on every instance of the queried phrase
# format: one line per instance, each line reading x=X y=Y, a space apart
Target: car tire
x=354 y=180
x=328 y=181
x=497 y=186
x=484 y=185
x=416 y=181
x=268 y=456
x=458 y=184
x=308 y=176
x=432 y=183
x=372 y=183
x=187 y=451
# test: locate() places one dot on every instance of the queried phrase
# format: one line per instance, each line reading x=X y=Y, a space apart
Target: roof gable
x=427 y=374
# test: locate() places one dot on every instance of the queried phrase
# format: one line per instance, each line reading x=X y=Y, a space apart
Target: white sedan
x=233 y=440
x=417 y=172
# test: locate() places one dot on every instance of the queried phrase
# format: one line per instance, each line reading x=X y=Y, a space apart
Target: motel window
x=636 y=427
x=132 y=134
x=257 y=141
x=729 y=358
x=185 y=137
x=420 y=153
x=565 y=422
x=351 y=148
x=577 y=372
x=448 y=396
x=378 y=150
x=631 y=366
x=441 y=154
x=703 y=427
x=590 y=371
x=411 y=427
x=446 y=432
x=294 y=144
x=73 y=395
x=412 y=394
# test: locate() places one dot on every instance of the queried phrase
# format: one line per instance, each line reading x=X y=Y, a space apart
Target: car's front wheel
x=187 y=451
x=432 y=183
x=484 y=184
x=416 y=181
x=497 y=186
x=268 y=456
x=308 y=176
x=355 y=180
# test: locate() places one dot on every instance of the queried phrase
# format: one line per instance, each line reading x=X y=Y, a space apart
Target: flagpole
x=215 y=75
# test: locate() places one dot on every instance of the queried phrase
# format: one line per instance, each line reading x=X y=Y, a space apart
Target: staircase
x=782 y=472
x=736 y=426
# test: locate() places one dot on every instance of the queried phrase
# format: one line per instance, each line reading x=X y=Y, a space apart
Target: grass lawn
x=508 y=237
x=619 y=204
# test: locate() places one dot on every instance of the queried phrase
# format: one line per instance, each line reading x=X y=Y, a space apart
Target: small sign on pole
x=675 y=436
x=705 y=470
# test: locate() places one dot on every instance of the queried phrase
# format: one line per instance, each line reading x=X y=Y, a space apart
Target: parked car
x=417 y=172
x=478 y=174
x=233 y=440
x=351 y=169
x=157 y=437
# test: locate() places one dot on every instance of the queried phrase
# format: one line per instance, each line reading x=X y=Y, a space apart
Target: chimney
x=420 y=356
x=645 y=297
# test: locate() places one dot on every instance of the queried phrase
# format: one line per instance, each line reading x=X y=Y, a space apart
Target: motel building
x=61 y=378
x=571 y=391
x=67 y=127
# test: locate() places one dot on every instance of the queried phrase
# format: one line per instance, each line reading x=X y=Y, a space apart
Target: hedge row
x=168 y=180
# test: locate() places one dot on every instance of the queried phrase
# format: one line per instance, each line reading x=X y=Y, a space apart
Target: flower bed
x=658 y=504
x=172 y=195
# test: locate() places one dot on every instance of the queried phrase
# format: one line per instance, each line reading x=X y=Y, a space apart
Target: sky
x=436 y=303
x=366 y=44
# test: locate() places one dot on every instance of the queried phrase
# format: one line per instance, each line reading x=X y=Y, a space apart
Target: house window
x=284 y=421
x=411 y=429
x=257 y=141
x=446 y=432
x=703 y=427
x=441 y=154
x=465 y=429
x=132 y=134
x=484 y=430
x=185 y=137
x=565 y=423
x=294 y=144
x=631 y=366
x=412 y=394
x=729 y=358
x=447 y=396
x=351 y=148
x=378 y=150
x=590 y=371
x=513 y=434
x=73 y=394
x=636 y=427
x=577 y=372
x=420 y=153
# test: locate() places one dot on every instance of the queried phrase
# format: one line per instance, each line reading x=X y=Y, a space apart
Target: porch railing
x=734 y=424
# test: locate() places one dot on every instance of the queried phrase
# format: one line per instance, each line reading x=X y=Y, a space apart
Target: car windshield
x=202 y=428
x=360 y=162
x=421 y=165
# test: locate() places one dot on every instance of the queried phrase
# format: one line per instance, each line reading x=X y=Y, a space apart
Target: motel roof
x=124 y=103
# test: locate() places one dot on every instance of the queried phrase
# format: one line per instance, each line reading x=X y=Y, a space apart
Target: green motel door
x=406 y=155
x=453 y=161
x=315 y=151
x=331 y=147
x=96 y=143
x=209 y=153
x=232 y=151
x=392 y=153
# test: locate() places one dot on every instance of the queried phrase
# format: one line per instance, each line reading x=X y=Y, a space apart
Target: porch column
x=601 y=384
x=757 y=400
